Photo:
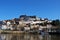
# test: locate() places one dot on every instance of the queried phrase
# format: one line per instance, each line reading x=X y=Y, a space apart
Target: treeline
x=55 y=22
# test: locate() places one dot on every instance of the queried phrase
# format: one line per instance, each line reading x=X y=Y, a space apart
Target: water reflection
x=28 y=37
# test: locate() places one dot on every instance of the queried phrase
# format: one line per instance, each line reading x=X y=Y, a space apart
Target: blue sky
x=10 y=9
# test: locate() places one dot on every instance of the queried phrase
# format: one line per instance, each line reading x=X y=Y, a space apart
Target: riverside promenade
x=18 y=32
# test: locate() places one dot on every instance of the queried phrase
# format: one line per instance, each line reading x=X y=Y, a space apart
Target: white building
x=49 y=25
x=27 y=28
x=8 y=23
x=4 y=27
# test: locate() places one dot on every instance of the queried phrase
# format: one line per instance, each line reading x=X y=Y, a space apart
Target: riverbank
x=16 y=32
x=23 y=32
x=3 y=31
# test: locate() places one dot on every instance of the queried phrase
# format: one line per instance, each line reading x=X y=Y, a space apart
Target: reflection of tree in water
x=55 y=37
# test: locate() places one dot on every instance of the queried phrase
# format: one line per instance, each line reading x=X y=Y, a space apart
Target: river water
x=28 y=37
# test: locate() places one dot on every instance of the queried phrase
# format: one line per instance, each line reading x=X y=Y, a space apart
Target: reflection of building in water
x=46 y=37
x=34 y=37
x=24 y=37
x=6 y=37
x=40 y=37
x=17 y=37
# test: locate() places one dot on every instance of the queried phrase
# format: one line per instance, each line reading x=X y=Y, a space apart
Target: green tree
x=56 y=22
